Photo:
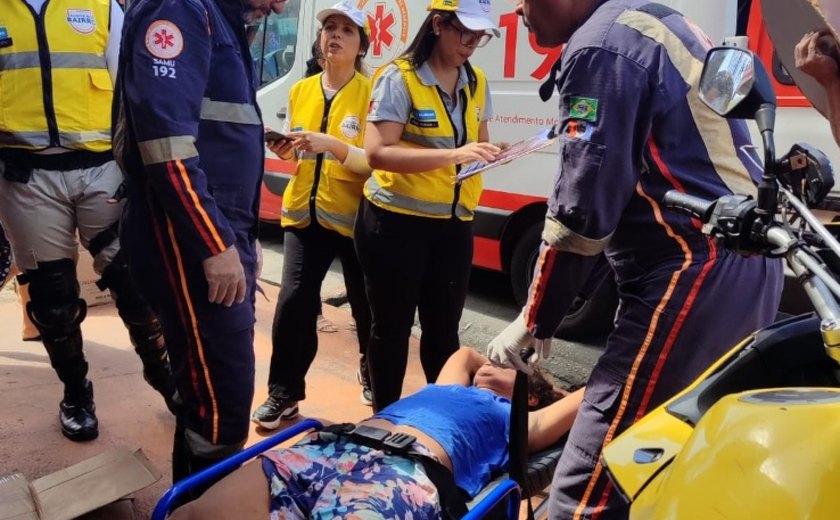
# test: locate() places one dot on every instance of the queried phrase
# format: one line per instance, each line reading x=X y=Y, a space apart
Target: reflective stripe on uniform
x=429 y=141
x=179 y=147
x=396 y=200
x=560 y=237
x=242 y=113
x=58 y=60
x=42 y=139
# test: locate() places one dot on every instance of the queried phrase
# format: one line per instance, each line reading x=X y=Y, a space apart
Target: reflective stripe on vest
x=42 y=139
x=432 y=194
x=73 y=108
x=335 y=220
x=390 y=199
x=322 y=187
x=242 y=113
x=58 y=60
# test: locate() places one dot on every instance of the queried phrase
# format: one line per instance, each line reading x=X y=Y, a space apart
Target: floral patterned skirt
x=326 y=477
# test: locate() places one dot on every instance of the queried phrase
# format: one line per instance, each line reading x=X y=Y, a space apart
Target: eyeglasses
x=470 y=38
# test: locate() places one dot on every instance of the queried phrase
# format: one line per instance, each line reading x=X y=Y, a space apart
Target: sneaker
x=366 y=396
x=273 y=410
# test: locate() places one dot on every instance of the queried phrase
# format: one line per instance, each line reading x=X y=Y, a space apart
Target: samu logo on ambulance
x=388 y=33
x=81 y=20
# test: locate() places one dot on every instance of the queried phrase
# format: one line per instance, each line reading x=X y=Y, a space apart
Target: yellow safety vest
x=432 y=194
x=55 y=89
x=321 y=184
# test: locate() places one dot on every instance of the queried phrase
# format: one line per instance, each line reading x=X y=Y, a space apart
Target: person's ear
x=437 y=22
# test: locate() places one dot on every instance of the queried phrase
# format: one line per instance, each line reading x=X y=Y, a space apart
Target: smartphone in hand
x=275 y=137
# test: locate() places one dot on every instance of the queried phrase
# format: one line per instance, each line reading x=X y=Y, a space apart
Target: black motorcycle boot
x=146 y=336
x=144 y=329
x=77 y=413
x=157 y=370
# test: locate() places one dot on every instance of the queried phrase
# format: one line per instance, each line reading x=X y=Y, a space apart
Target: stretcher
x=499 y=499
x=528 y=474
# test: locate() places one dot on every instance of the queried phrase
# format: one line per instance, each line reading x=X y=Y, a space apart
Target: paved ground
x=131 y=413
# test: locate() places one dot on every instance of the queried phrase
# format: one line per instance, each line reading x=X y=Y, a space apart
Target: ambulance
x=509 y=219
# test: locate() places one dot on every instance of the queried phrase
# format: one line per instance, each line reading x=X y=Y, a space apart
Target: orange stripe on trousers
x=631 y=378
x=176 y=290
x=196 y=334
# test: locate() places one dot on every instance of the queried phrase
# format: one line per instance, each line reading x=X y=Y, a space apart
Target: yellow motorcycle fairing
x=769 y=454
x=658 y=432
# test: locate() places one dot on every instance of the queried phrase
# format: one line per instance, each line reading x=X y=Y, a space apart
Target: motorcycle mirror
x=734 y=83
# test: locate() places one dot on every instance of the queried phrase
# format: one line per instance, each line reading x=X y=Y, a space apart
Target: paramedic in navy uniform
x=190 y=139
x=633 y=128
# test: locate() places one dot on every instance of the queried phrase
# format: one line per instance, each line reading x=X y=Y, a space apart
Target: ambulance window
x=273 y=43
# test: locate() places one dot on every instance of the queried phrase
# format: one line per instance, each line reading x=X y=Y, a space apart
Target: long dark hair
x=423 y=44
x=313 y=64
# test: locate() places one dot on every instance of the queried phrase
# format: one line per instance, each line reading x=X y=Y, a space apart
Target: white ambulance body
x=510 y=214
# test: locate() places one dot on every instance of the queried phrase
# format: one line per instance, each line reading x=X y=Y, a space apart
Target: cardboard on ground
x=88 y=486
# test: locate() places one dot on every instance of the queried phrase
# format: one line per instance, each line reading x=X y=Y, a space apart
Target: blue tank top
x=472 y=425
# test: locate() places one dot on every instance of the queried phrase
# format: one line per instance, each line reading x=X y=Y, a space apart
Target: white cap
x=473 y=14
x=344 y=8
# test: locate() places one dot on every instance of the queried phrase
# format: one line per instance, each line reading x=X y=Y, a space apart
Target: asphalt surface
x=489 y=309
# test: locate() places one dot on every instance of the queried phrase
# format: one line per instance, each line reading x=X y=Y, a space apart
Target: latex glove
x=504 y=349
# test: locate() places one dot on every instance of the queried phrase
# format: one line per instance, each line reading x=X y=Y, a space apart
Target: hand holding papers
x=543 y=138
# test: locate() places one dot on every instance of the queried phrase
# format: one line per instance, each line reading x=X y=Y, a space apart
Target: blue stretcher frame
x=506 y=491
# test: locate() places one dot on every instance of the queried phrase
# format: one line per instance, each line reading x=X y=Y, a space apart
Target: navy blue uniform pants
x=211 y=346
x=673 y=322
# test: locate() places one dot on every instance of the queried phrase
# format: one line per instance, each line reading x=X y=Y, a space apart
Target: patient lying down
x=461 y=422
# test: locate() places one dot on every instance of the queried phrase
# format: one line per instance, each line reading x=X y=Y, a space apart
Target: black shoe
x=273 y=410
x=366 y=396
x=77 y=414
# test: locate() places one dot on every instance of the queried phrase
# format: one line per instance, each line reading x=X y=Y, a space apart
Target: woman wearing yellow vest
x=326 y=123
x=428 y=117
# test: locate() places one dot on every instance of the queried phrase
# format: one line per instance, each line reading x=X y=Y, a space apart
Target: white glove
x=504 y=349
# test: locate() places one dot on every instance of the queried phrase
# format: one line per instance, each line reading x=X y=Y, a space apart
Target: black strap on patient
x=452 y=499
x=518 y=441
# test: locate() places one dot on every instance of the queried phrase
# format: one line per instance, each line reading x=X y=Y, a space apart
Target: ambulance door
x=280 y=46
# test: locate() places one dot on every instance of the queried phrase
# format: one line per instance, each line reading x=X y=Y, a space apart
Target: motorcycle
x=755 y=436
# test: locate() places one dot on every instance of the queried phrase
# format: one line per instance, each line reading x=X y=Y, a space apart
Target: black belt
x=72 y=160
x=452 y=499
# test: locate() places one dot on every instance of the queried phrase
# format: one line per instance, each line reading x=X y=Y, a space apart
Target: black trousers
x=411 y=264
x=307 y=255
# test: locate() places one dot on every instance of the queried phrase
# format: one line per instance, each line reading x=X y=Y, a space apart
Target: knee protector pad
x=57 y=311
x=54 y=304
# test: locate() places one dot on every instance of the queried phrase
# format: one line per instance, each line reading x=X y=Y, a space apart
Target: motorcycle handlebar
x=700 y=208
